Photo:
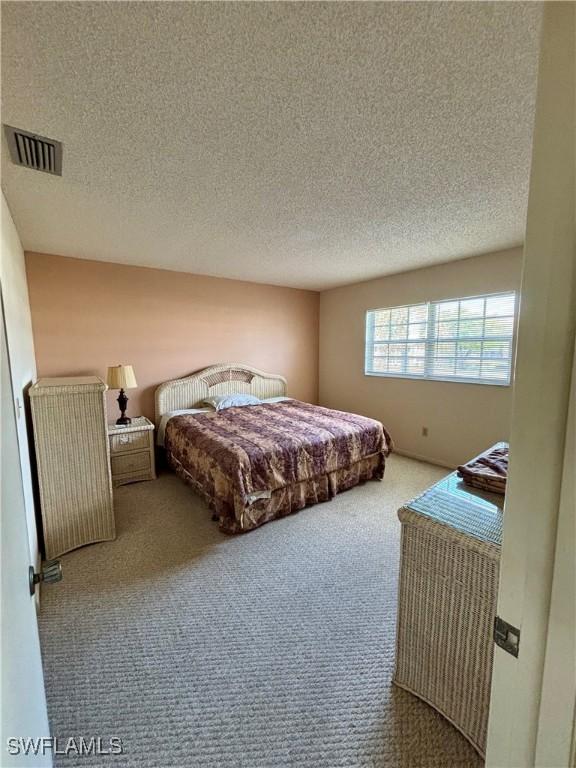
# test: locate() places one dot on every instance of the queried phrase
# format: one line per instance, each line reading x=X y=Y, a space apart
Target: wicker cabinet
x=132 y=451
x=70 y=436
x=449 y=565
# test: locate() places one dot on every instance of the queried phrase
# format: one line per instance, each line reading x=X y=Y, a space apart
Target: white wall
x=20 y=348
x=557 y=719
x=462 y=419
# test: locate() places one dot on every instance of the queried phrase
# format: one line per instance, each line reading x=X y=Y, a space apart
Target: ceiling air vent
x=33 y=151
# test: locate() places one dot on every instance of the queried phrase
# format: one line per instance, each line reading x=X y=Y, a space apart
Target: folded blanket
x=487 y=471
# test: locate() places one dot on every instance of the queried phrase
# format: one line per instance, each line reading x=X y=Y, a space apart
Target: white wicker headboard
x=222 y=379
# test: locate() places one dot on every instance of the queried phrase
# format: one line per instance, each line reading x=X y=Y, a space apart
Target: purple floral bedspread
x=241 y=455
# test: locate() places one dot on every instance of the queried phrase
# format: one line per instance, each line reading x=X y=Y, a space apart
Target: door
x=532 y=704
x=23 y=712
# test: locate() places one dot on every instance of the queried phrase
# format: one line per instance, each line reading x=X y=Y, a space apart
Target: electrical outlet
x=424 y=431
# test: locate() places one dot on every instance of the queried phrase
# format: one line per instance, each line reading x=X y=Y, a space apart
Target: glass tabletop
x=468 y=510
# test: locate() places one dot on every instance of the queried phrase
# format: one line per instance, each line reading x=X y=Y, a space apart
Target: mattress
x=255 y=463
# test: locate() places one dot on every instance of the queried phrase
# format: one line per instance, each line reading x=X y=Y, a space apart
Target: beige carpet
x=271 y=649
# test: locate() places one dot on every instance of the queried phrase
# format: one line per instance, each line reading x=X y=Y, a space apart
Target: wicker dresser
x=69 y=417
x=132 y=451
x=449 y=566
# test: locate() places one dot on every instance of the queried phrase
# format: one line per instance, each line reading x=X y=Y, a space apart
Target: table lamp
x=121 y=377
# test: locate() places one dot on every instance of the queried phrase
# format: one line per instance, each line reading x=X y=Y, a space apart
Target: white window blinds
x=469 y=339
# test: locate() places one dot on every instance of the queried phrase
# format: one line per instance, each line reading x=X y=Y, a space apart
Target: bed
x=255 y=463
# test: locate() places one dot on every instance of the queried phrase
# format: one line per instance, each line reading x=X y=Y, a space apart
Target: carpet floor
x=271 y=649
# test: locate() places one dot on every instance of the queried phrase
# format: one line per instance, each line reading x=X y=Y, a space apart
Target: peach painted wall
x=87 y=315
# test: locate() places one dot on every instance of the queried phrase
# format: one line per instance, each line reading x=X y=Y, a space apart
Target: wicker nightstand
x=132 y=451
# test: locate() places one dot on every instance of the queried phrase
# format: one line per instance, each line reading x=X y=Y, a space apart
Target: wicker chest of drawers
x=449 y=567
x=69 y=417
x=132 y=451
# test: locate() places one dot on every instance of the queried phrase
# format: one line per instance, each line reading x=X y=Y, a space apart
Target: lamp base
x=123 y=404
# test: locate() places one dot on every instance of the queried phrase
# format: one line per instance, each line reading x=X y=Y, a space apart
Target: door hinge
x=506 y=636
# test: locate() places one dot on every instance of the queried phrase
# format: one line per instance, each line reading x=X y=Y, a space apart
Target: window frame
x=428 y=341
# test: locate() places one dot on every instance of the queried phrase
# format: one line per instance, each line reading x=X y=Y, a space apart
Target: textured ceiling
x=303 y=144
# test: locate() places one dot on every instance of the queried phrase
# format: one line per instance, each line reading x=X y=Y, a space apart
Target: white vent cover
x=32 y=151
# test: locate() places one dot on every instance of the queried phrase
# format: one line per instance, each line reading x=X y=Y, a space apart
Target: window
x=469 y=339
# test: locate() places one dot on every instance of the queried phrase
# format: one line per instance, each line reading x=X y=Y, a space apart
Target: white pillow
x=220 y=402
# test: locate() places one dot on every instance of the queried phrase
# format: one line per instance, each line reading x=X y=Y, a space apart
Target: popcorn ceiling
x=300 y=144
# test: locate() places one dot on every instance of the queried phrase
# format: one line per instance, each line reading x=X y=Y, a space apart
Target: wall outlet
x=424 y=431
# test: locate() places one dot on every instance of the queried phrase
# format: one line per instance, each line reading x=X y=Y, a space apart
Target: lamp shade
x=121 y=377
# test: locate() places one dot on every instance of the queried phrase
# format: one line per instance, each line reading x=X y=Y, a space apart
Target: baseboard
x=427 y=459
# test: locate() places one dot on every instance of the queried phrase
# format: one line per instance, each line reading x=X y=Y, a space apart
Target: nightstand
x=132 y=451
